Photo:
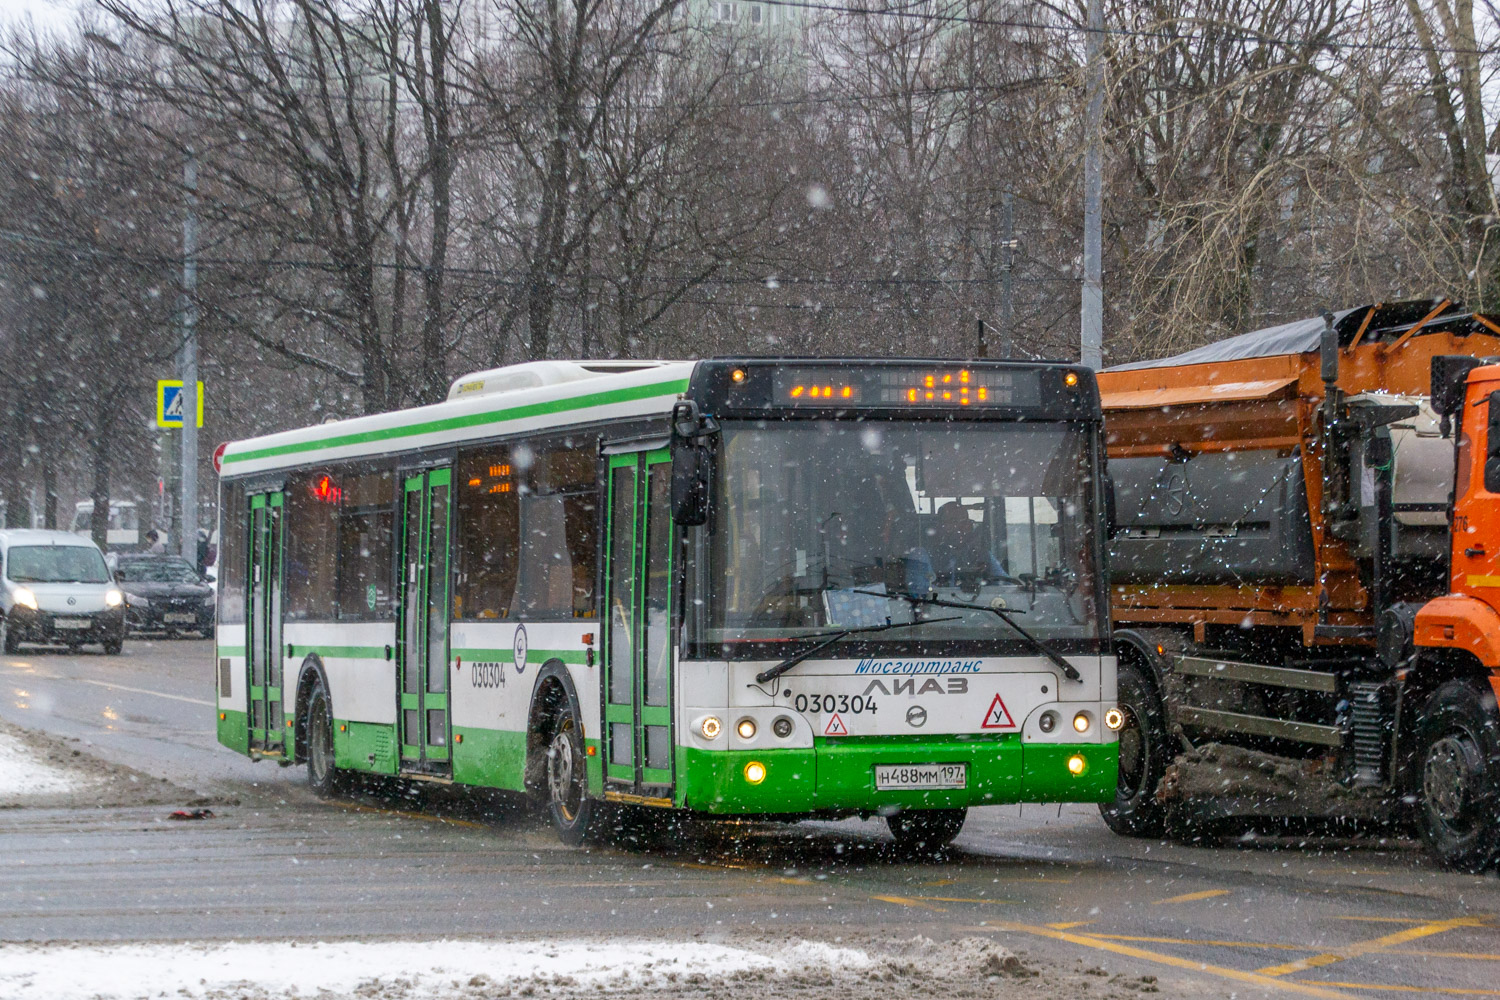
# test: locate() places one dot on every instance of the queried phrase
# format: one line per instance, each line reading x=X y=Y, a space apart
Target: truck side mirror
x=1450 y=374
x=692 y=464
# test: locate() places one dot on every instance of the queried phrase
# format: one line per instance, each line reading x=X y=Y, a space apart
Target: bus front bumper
x=838 y=776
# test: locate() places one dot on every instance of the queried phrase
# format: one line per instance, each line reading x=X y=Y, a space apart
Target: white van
x=56 y=590
x=124 y=530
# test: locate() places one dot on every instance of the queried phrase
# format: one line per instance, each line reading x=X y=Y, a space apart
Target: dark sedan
x=164 y=594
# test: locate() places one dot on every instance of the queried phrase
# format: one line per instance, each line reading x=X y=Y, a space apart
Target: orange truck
x=1305 y=573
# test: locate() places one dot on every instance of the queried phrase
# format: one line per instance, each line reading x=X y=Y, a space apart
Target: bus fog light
x=782 y=727
x=1081 y=722
x=1076 y=764
x=746 y=729
x=1114 y=718
x=755 y=772
x=1047 y=722
x=711 y=728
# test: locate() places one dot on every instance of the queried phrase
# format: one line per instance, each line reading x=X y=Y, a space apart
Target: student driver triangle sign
x=836 y=727
x=998 y=716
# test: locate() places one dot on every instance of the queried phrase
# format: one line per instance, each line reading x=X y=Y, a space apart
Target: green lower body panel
x=489 y=758
x=839 y=776
x=365 y=746
x=234 y=731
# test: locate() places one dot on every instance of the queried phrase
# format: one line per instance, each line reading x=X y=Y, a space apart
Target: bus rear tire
x=925 y=831
x=1458 y=775
x=577 y=819
x=323 y=775
x=1143 y=759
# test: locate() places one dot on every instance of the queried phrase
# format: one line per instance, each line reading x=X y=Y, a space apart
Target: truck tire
x=1457 y=752
x=1143 y=758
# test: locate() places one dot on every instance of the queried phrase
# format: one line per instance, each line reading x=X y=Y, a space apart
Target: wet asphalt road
x=1261 y=918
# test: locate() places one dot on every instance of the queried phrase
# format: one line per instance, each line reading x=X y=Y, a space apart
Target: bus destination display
x=826 y=385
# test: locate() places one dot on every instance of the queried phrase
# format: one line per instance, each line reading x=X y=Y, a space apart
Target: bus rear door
x=637 y=637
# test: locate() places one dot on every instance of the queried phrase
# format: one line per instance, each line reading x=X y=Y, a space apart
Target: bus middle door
x=263 y=652
x=637 y=636
x=422 y=622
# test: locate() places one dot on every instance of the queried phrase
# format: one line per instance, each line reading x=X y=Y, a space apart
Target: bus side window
x=312 y=504
x=487 y=537
x=366 y=522
x=233 y=528
x=559 y=532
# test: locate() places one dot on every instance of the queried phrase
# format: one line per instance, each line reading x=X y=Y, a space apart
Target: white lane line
x=159 y=694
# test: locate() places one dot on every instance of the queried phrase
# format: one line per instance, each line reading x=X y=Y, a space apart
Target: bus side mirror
x=692 y=463
x=1450 y=376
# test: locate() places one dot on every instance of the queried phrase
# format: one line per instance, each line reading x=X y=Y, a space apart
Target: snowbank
x=22 y=772
x=421 y=970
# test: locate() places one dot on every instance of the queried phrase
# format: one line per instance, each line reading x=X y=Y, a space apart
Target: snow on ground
x=22 y=772
x=410 y=970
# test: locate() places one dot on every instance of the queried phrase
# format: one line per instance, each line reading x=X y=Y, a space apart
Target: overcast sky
x=46 y=14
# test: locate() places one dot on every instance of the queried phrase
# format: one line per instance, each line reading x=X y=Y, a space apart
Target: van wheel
x=1458 y=774
x=924 y=831
x=577 y=819
x=9 y=641
x=323 y=776
x=1143 y=759
x=113 y=647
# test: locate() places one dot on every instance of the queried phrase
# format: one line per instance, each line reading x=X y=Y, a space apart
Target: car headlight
x=133 y=600
x=24 y=597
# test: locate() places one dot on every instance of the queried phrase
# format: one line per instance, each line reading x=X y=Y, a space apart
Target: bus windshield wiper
x=829 y=638
x=1070 y=671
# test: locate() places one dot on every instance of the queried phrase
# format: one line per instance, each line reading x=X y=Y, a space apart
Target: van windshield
x=56 y=564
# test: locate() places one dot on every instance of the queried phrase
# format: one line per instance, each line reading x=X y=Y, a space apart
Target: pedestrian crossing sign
x=169 y=403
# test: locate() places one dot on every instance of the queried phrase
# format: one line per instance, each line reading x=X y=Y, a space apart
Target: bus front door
x=263 y=638
x=637 y=636
x=422 y=621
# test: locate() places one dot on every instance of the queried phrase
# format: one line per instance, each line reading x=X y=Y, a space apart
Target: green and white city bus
x=747 y=587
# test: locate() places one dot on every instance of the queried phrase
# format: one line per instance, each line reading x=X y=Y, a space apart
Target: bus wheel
x=322 y=774
x=1143 y=759
x=1458 y=793
x=577 y=819
x=923 y=831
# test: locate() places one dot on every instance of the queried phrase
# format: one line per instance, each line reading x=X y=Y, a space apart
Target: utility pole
x=1008 y=264
x=188 y=364
x=1092 y=314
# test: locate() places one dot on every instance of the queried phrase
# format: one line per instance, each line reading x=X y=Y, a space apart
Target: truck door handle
x=1477 y=550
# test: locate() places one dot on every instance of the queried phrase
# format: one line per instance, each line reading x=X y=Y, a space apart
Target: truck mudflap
x=1216 y=788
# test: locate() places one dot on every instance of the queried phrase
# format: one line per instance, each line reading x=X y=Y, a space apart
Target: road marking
x=963 y=899
x=1237 y=975
x=907 y=901
x=1365 y=947
x=1193 y=897
x=1468 y=955
x=159 y=694
x=1213 y=944
x=1070 y=924
x=1452 y=990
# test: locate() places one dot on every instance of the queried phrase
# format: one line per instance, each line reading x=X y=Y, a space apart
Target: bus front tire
x=924 y=831
x=1143 y=759
x=323 y=775
x=578 y=819
x=1458 y=774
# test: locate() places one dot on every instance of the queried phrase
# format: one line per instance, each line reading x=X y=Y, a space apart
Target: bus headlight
x=746 y=729
x=113 y=599
x=782 y=727
x=24 y=597
x=711 y=727
x=1076 y=764
x=1081 y=722
x=1047 y=722
x=1114 y=718
x=755 y=772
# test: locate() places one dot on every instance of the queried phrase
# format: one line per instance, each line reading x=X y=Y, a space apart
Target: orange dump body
x=1272 y=405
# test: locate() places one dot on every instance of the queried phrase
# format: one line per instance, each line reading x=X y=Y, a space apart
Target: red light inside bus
x=325 y=491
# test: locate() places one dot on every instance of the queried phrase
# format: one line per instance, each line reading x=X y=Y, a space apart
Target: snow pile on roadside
x=23 y=773
x=424 y=970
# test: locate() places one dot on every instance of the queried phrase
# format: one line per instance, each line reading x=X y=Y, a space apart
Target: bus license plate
x=179 y=618
x=893 y=777
x=70 y=623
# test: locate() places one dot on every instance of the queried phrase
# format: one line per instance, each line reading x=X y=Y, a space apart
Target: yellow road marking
x=1069 y=924
x=1193 y=897
x=1237 y=975
x=788 y=880
x=1468 y=955
x=937 y=882
x=1453 y=990
x=1213 y=944
x=1365 y=947
x=159 y=694
x=907 y=901
x=963 y=899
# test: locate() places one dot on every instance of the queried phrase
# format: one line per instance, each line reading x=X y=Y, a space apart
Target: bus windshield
x=826 y=524
x=56 y=564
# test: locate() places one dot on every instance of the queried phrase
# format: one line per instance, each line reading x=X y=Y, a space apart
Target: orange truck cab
x=1305 y=579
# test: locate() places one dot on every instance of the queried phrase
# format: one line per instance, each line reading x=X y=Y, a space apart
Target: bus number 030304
x=843 y=703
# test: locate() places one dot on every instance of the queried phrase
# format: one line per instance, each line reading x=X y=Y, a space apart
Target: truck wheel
x=1458 y=774
x=577 y=818
x=1143 y=759
x=323 y=776
x=923 y=831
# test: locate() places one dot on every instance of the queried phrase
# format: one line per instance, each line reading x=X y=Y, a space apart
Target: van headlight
x=24 y=597
x=113 y=598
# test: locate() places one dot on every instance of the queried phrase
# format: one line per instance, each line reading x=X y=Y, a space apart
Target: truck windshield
x=826 y=524
x=56 y=564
